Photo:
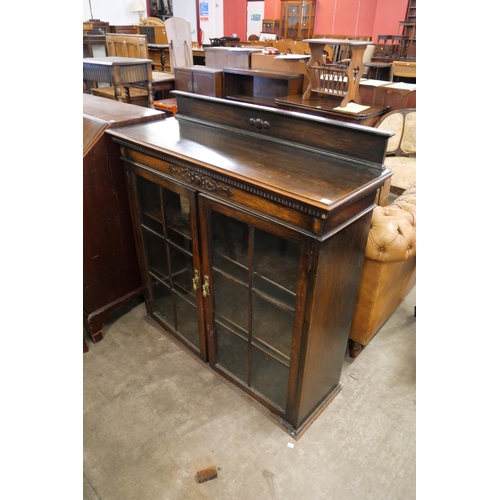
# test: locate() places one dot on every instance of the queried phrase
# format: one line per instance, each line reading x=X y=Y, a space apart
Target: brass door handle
x=196 y=280
x=206 y=287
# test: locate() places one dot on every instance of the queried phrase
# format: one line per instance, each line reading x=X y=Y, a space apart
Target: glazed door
x=254 y=270
x=171 y=263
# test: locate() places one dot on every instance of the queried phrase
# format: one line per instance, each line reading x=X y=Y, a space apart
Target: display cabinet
x=297 y=18
x=271 y=26
x=251 y=236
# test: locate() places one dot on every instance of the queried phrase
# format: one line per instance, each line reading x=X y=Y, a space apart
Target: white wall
x=186 y=10
x=254 y=27
x=118 y=12
x=111 y=11
x=214 y=27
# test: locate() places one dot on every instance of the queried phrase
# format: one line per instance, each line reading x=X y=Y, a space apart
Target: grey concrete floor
x=154 y=416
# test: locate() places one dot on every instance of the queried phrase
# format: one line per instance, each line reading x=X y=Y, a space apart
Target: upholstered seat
x=401 y=156
x=389 y=268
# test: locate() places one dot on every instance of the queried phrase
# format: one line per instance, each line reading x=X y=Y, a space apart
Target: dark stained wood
x=118 y=72
x=199 y=80
x=326 y=106
x=309 y=184
x=260 y=86
x=110 y=268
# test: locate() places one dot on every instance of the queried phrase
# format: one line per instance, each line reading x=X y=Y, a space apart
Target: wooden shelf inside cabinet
x=251 y=242
x=338 y=79
x=260 y=86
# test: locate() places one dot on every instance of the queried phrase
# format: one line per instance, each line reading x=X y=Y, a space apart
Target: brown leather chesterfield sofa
x=389 y=269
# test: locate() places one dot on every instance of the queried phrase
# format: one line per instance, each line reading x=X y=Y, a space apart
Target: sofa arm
x=392 y=235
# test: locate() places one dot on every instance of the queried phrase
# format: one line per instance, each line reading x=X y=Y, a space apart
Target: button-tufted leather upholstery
x=392 y=235
x=389 y=269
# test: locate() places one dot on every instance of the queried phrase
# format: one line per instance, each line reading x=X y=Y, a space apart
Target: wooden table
x=118 y=71
x=161 y=47
x=327 y=107
x=327 y=79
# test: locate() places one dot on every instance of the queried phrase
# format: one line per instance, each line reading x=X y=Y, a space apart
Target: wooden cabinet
x=297 y=18
x=260 y=86
x=129 y=29
x=229 y=57
x=271 y=26
x=95 y=24
x=199 y=80
x=251 y=241
x=110 y=266
x=154 y=34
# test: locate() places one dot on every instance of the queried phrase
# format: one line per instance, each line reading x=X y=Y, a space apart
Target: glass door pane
x=254 y=276
x=165 y=217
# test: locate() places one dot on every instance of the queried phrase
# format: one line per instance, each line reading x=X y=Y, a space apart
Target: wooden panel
x=358 y=143
x=231 y=57
x=127 y=45
x=199 y=80
x=110 y=268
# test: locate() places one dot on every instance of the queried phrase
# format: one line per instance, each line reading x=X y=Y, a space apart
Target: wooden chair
x=367 y=57
x=253 y=38
x=401 y=155
x=403 y=69
x=121 y=45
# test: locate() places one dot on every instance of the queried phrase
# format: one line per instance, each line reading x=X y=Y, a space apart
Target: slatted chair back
x=122 y=45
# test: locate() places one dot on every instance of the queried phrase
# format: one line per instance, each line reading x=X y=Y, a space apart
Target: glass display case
x=297 y=18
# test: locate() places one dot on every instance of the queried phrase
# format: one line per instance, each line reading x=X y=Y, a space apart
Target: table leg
x=162 y=59
x=150 y=95
x=118 y=93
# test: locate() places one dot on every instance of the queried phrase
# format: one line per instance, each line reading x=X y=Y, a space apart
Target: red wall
x=333 y=17
x=235 y=18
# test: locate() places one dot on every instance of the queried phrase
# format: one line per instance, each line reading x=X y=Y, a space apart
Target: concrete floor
x=154 y=416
